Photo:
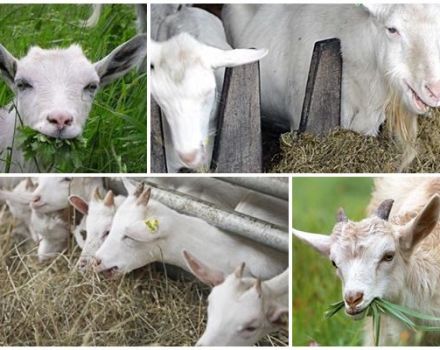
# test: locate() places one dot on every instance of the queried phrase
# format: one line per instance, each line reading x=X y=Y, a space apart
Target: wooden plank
x=238 y=145
x=157 y=156
x=322 y=103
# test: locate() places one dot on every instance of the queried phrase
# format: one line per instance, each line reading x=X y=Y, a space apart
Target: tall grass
x=116 y=128
x=315 y=284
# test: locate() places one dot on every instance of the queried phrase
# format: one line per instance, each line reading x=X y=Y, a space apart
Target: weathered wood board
x=322 y=103
x=238 y=143
x=158 y=155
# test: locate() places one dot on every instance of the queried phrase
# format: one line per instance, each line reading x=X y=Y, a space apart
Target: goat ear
x=8 y=66
x=321 y=243
x=202 y=272
x=122 y=59
x=278 y=315
x=422 y=225
x=230 y=58
x=79 y=204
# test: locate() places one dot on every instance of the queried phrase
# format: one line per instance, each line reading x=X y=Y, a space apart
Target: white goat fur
x=131 y=244
x=187 y=73
x=389 y=55
x=411 y=237
x=54 y=90
x=241 y=310
x=99 y=213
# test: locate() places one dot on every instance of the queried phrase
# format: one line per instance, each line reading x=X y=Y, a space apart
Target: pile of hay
x=344 y=151
x=52 y=304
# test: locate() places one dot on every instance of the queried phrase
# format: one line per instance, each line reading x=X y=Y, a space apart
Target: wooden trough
x=238 y=141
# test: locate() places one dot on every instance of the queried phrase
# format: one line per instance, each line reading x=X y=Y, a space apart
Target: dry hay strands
x=345 y=151
x=53 y=304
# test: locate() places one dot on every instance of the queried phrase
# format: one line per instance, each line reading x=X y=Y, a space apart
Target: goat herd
x=121 y=233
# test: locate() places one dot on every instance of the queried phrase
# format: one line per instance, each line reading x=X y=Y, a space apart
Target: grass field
x=315 y=284
x=116 y=129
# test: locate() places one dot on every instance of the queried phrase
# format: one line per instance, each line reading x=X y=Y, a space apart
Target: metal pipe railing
x=275 y=187
x=233 y=222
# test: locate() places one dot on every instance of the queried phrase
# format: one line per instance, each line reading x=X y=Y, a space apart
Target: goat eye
x=151 y=66
x=334 y=264
x=393 y=31
x=106 y=233
x=250 y=329
x=92 y=87
x=22 y=85
x=388 y=257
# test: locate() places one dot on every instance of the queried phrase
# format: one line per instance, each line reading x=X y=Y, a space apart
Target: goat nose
x=60 y=120
x=434 y=89
x=189 y=157
x=96 y=261
x=354 y=298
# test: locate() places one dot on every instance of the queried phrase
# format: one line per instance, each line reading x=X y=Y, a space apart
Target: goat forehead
x=55 y=64
x=353 y=239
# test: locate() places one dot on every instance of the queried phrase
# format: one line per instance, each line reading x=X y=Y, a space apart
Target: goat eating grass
x=380 y=306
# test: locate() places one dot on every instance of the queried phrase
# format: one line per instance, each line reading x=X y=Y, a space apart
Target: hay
x=344 y=151
x=53 y=304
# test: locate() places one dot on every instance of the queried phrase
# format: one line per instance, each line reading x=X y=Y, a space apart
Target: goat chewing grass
x=380 y=306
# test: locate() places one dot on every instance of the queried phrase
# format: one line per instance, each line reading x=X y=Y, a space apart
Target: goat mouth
x=355 y=312
x=111 y=272
x=38 y=205
x=420 y=105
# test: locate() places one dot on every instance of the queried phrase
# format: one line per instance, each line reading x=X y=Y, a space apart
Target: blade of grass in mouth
x=380 y=306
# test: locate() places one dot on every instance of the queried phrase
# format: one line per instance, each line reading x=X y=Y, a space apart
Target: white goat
x=390 y=55
x=241 y=310
x=187 y=73
x=393 y=254
x=52 y=193
x=99 y=213
x=54 y=90
x=18 y=201
x=145 y=231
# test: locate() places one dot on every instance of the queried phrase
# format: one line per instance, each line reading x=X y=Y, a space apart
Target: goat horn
x=239 y=270
x=109 y=199
x=96 y=194
x=384 y=209
x=29 y=184
x=341 y=217
x=139 y=189
x=257 y=286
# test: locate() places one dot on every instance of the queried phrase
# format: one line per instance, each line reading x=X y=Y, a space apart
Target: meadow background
x=315 y=284
x=115 y=132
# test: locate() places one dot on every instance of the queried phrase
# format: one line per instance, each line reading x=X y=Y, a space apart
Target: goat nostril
x=60 y=120
x=36 y=199
x=354 y=299
x=97 y=261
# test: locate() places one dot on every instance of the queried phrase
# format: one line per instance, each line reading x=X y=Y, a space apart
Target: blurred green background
x=315 y=284
x=116 y=129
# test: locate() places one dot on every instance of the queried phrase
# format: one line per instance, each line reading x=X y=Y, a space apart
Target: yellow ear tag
x=152 y=224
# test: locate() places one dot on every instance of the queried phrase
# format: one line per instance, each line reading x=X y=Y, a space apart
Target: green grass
x=315 y=284
x=116 y=129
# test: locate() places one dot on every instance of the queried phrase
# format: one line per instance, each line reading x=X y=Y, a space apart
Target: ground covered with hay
x=344 y=151
x=52 y=304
